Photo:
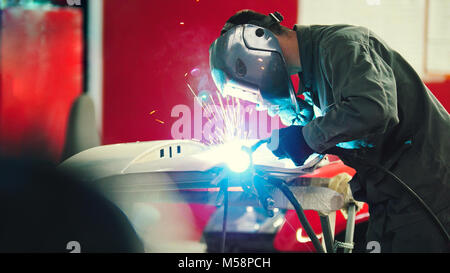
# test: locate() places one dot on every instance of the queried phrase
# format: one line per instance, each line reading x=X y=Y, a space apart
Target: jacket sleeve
x=364 y=92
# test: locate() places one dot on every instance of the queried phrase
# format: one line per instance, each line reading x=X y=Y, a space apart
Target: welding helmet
x=247 y=62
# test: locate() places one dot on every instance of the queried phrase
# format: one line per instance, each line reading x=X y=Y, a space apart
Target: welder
x=358 y=99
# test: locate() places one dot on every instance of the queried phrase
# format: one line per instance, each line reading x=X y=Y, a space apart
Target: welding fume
x=361 y=101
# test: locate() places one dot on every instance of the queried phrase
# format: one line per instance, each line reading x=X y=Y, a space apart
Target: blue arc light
x=236 y=159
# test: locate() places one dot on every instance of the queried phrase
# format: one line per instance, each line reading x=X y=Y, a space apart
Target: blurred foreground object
x=81 y=131
x=45 y=210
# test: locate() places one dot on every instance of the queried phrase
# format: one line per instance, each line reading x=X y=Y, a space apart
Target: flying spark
x=227 y=111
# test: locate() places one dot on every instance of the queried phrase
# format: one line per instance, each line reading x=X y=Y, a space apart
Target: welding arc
x=300 y=214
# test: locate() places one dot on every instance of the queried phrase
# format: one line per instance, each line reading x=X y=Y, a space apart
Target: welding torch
x=264 y=197
x=250 y=150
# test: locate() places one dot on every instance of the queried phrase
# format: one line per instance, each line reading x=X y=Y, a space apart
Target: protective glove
x=288 y=114
x=306 y=113
x=289 y=143
x=339 y=183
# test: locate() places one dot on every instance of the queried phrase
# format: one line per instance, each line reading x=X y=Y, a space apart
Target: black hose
x=300 y=214
x=417 y=197
x=342 y=152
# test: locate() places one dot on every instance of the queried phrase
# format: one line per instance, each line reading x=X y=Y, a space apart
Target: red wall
x=40 y=76
x=441 y=91
x=147 y=53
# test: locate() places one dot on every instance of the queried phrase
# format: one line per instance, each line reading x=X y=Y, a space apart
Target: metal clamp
x=338 y=244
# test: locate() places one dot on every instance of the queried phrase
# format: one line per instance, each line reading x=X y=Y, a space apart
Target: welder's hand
x=289 y=143
x=339 y=183
x=306 y=112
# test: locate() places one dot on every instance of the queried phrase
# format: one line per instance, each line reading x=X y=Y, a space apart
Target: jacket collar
x=305 y=50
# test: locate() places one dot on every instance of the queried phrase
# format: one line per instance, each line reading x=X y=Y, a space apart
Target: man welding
x=362 y=102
